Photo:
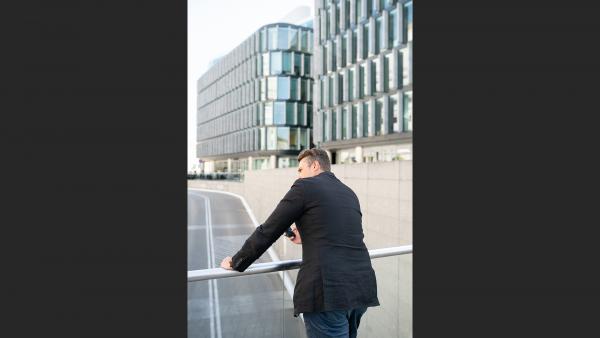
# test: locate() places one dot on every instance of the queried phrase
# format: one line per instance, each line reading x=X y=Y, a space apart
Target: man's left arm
x=288 y=210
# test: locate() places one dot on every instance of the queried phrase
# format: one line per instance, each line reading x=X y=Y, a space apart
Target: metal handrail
x=207 y=274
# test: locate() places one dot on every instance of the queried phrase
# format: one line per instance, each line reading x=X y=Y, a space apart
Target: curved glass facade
x=257 y=100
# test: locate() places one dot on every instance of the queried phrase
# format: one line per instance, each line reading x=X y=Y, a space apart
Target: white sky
x=215 y=28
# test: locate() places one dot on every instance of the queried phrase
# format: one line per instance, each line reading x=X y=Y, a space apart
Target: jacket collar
x=328 y=173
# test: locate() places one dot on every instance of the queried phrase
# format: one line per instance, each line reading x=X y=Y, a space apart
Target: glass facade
x=257 y=100
x=364 y=79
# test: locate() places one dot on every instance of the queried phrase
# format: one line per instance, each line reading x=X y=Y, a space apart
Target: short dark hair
x=316 y=154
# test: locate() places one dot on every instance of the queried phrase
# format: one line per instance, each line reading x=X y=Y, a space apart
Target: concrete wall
x=384 y=190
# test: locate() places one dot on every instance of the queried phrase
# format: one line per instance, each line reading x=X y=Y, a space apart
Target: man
x=336 y=282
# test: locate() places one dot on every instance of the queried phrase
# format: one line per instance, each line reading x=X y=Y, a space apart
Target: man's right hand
x=296 y=239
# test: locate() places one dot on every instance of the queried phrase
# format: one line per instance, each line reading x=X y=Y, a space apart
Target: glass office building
x=363 y=79
x=255 y=103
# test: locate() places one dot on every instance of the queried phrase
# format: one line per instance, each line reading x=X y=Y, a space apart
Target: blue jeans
x=333 y=324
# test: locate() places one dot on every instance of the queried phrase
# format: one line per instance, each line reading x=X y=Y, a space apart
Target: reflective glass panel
x=265 y=63
x=294 y=88
x=268 y=113
x=287 y=62
x=408 y=20
x=271 y=138
x=283 y=138
x=297 y=63
x=279 y=112
x=294 y=141
x=407 y=118
x=290 y=114
x=275 y=63
x=393 y=29
x=272 y=88
x=272 y=37
x=282 y=38
x=283 y=88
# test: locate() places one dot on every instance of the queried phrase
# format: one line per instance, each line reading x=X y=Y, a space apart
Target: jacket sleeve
x=289 y=209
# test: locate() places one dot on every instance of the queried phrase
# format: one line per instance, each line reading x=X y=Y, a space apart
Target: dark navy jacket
x=336 y=271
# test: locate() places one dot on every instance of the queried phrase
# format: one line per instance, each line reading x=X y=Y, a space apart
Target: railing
x=260 y=304
x=207 y=274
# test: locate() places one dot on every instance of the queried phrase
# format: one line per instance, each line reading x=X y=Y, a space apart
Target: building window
x=265 y=63
x=294 y=144
x=263 y=89
x=387 y=72
x=263 y=40
x=376 y=81
x=395 y=118
x=262 y=144
x=362 y=85
x=379 y=116
x=272 y=88
x=344 y=123
x=379 y=43
x=393 y=29
x=366 y=119
x=279 y=112
x=334 y=135
x=330 y=91
x=294 y=88
x=287 y=62
x=282 y=38
x=290 y=113
x=325 y=127
x=303 y=84
x=337 y=13
x=405 y=69
x=304 y=142
x=283 y=88
x=283 y=138
x=271 y=138
x=272 y=38
x=276 y=63
x=297 y=63
x=304 y=41
x=351 y=84
x=354 y=120
x=354 y=44
x=347 y=16
x=334 y=55
x=309 y=114
x=322 y=94
x=268 y=113
x=340 y=88
x=293 y=38
x=365 y=49
x=408 y=20
x=301 y=107
x=328 y=22
x=307 y=65
x=408 y=113
x=359 y=10
x=344 y=49
x=324 y=58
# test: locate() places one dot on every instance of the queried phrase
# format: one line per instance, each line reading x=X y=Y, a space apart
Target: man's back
x=336 y=270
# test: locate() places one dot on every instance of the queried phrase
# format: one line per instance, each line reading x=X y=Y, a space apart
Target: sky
x=215 y=28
